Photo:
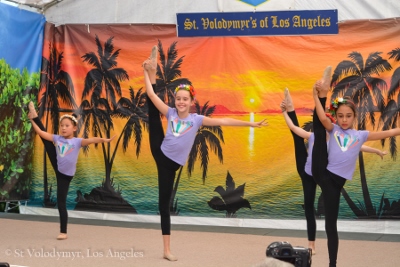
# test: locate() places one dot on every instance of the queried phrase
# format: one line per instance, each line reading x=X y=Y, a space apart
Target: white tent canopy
x=164 y=12
x=37 y=5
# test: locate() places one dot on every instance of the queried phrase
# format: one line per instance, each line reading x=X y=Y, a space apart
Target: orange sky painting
x=246 y=74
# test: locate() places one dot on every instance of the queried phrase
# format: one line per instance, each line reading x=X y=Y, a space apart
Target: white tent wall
x=164 y=12
x=355 y=9
x=124 y=11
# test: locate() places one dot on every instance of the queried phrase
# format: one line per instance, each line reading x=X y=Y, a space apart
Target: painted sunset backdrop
x=242 y=77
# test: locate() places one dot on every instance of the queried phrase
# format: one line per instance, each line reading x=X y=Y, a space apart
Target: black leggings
x=330 y=183
x=166 y=168
x=63 y=180
x=309 y=185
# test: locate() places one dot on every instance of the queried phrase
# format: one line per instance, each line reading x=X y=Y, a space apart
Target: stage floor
x=30 y=240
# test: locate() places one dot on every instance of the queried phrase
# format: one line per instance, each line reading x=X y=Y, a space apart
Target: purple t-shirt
x=344 y=146
x=67 y=153
x=180 y=135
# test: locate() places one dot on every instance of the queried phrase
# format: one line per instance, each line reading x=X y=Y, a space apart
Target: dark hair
x=349 y=103
x=339 y=101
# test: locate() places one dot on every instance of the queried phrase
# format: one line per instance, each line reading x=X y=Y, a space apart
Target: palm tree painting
x=134 y=110
x=231 y=200
x=391 y=112
x=355 y=79
x=58 y=89
x=390 y=210
x=358 y=80
x=169 y=74
x=389 y=119
x=97 y=113
x=105 y=79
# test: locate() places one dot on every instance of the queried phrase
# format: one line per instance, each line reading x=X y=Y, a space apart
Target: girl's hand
x=317 y=88
x=146 y=64
x=381 y=153
x=260 y=123
x=149 y=65
x=283 y=106
x=109 y=140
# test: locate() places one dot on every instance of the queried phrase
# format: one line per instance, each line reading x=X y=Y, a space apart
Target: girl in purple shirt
x=172 y=150
x=303 y=163
x=332 y=170
x=63 y=151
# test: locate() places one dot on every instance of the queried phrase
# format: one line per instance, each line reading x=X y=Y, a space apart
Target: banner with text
x=258 y=23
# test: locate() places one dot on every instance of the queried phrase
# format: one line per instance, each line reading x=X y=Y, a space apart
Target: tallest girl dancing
x=170 y=151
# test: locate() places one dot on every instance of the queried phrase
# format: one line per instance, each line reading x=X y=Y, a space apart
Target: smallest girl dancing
x=63 y=152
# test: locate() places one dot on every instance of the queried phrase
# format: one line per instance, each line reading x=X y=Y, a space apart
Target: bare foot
x=32 y=111
x=311 y=245
x=170 y=257
x=322 y=90
x=153 y=57
x=288 y=100
x=62 y=236
x=151 y=63
x=327 y=77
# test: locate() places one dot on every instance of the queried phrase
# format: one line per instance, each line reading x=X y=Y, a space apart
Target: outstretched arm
x=45 y=135
x=96 y=140
x=207 y=121
x=368 y=149
x=383 y=134
x=296 y=129
x=160 y=105
x=317 y=89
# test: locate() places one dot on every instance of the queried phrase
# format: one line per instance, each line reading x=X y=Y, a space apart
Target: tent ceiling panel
x=40 y=5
